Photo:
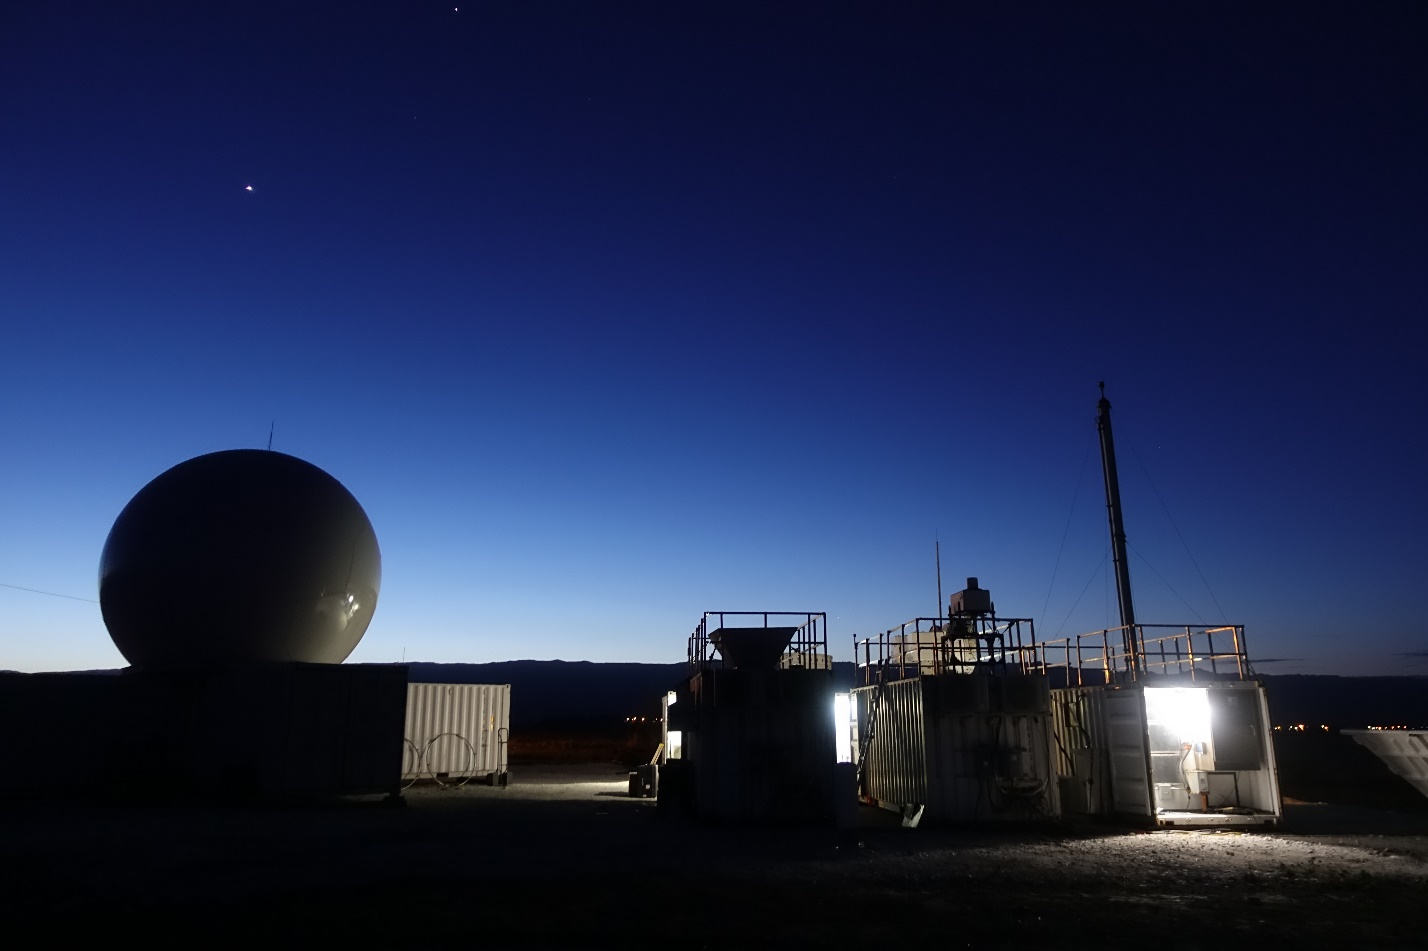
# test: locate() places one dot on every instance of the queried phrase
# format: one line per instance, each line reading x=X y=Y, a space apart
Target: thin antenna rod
x=940 y=607
x=270 y=434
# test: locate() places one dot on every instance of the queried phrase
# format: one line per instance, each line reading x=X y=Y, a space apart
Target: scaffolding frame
x=810 y=638
x=961 y=645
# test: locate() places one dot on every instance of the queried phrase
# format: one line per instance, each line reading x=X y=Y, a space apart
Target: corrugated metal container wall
x=991 y=767
x=896 y=767
x=1083 y=768
x=1403 y=751
x=945 y=743
x=456 y=730
x=1123 y=710
x=1106 y=768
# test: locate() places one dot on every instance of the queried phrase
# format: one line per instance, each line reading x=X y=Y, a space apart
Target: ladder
x=865 y=739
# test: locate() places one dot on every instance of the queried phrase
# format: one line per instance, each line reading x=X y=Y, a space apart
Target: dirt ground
x=564 y=858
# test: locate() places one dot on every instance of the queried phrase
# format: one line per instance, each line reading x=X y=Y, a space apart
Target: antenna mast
x=270 y=434
x=1118 y=535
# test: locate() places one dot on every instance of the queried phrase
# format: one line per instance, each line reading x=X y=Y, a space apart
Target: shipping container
x=763 y=743
x=260 y=730
x=55 y=731
x=1403 y=751
x=267 y=730
x=958 y=747
x=1175 y=754
x=457 y=732
x=751 y=735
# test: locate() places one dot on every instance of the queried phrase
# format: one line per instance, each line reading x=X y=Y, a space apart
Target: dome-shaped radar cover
x=237 y=557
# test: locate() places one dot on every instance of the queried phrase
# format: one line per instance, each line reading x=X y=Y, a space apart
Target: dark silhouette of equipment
x=1118 y=529
x=242 y=556
x=235 y=584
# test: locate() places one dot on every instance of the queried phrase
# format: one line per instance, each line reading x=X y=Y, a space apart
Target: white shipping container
x=1184 y=756
x=457 y=732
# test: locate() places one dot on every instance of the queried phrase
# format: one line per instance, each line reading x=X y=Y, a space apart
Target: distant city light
x=1326 y=728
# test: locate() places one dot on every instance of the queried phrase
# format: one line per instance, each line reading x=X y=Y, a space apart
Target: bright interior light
x=674 y=745
x=843 y=726
x=1185 y=710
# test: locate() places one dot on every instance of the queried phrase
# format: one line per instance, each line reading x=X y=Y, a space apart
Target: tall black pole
x=941 y=608
x=1118 y=534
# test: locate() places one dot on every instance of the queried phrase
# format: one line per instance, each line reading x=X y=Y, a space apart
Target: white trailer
x=456 y=733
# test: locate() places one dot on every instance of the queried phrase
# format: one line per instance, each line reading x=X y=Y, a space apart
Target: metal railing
x=807 y=648
x=934 y=646
x=1128 y=654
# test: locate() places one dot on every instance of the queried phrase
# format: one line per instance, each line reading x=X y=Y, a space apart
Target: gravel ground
x=563 y=858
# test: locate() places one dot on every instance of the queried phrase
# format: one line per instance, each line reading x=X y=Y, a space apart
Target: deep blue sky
x=610 y=314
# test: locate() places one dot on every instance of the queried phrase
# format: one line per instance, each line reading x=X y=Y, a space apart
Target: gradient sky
x=611 y=314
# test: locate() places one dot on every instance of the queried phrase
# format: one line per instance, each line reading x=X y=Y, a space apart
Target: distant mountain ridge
x=1347 y=702
x=551 y=692
x=557 y=691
